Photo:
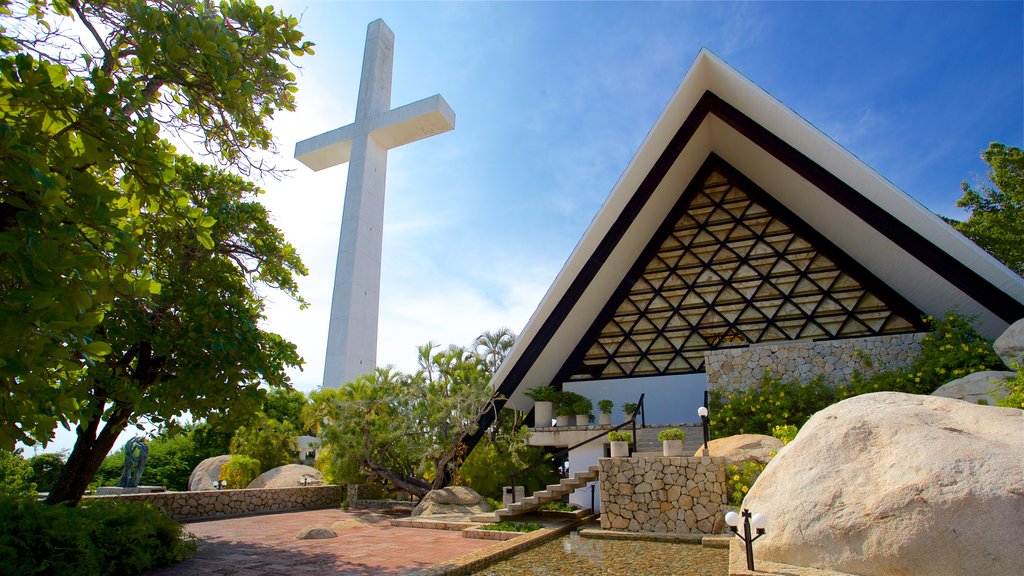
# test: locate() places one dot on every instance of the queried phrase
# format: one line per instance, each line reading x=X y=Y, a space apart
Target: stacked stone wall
x=219 y=503
x=657 y=494
x=836 y=360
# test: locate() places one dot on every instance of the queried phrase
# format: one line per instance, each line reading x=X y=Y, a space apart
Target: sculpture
x=135 y=453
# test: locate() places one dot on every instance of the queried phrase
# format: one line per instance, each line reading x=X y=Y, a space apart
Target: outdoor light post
x=758 y=522
x=703 y=413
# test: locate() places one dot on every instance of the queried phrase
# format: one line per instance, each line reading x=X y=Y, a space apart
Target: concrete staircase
x=537 y=499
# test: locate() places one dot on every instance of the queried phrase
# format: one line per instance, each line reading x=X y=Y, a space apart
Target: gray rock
x=288 y=476
x=315 y=533
x=206 y=473
x=898 y=484
x=1010 y=345
x=988 y=386
x=452 y=500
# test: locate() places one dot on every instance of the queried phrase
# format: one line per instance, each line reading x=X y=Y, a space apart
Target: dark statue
x=135 y=453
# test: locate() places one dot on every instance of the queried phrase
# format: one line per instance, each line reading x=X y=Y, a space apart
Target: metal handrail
x=632 y=421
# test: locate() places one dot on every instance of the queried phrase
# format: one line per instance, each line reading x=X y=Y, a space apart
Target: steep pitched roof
x=717 y=115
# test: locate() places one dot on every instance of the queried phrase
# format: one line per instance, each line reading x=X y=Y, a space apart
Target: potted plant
x=619 y=441
x=564 y=409
x=582 y=407
x=629 y=408
x=605 y=406
x=543 y=404
x=672 y=441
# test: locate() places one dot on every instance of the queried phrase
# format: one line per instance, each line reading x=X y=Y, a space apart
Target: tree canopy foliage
x=106 y=233
x=996 y=221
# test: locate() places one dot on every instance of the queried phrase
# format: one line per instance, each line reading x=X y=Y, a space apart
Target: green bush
x=239 y=471
x=559 y=506
x=620 y=436
x=543 y=394
x=15 y=475
x=582 y=405
x=786 y=433
x=629 y=408
x=46 y=469
x=671 y=434
x=605 y=406
x=99 y=537
x=739 y=479
x=1015 y=399
x=568 y=402
x=512 y=526
x=773 y=403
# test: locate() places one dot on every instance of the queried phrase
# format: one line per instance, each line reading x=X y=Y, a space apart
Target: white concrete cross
x=364 y=144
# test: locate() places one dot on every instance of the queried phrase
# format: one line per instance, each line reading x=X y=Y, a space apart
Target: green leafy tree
x=181 y=348
x=266 y=440
x=996 y=221
x=86 y=174
x=239 y=471
x=46 y=468
x=285 y=405
x=15 y=475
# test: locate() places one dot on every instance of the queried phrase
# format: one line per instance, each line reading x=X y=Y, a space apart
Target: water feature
x=573 y=555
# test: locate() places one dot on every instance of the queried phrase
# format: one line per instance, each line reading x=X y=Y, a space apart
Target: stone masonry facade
x=658 y=494
x=837 y=360
x=219 y=503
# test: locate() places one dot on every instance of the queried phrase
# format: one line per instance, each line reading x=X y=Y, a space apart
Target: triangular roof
x=719 y=119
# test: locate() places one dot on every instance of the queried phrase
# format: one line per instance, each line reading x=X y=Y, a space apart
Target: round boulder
x=743 y=448
x=1010 y=345
x=206 y=473
x=988 y=387
x=315 y=533
x=897 y=484
x=288 y=476
x=452 y=500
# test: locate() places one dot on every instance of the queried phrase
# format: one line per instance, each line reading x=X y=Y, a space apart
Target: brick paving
x=366 y=545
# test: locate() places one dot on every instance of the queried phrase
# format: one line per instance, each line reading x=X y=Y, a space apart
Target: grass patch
x=513 y=526
x=558 y=506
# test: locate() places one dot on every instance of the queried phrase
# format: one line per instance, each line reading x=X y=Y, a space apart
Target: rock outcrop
x=315 y=533
x=288 y=476
x=898 y=484
x=988 y=387
x=743 y=448
x=206 y=473
x=452 y=500
x=1010 y=345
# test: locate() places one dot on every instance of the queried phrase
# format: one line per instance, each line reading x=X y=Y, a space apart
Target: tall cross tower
x=364 y=144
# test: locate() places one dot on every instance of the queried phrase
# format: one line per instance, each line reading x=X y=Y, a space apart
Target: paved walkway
x=366 y=544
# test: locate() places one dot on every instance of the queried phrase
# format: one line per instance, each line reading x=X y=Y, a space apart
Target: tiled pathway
x=366 y=544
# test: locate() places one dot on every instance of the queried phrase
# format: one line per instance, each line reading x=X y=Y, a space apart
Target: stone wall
x=657 y=494
x=837 y=360
x=219 y=503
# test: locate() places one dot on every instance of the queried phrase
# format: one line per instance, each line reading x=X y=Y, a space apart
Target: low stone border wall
x=208 y=504
x=658 y=494
x=491 y=534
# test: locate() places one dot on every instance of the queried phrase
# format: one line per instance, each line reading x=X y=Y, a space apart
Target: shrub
x=543 y=394
x=785 y=433
x=671 y=434
x=739 y=479
x=15 y=475
x=1015 y=399
x=99 y=537
x=568 y=402
x=629 y=408
x=620 y=436
x=559 y=506
x=513 y=526
x=582 y=405
x=46 y=469
x=773 y=403
x=239 y=471
x=605 y=406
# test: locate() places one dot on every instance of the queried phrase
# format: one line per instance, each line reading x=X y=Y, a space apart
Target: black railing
x=631 y=422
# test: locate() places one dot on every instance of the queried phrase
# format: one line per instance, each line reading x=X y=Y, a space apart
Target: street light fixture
x=703 y=413
x=757 y=521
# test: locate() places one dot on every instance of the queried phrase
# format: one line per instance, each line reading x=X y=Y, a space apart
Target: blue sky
x=553 y=99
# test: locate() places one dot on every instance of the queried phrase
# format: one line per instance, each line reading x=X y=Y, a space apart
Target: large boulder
x=743 y=448
x=898 y=484
x=206 y=473
x=452 y=500
x=988 y=387
x=1010 y=345
x=288 y=476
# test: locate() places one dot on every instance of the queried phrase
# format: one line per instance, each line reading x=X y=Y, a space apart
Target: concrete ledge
x=642 y=536
x=491 y=534
x=439 y=524
x=723 y=541
x=738 y=565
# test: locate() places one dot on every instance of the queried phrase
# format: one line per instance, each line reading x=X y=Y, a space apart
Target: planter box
x=620 y=449
x=672 y=448
x=604 y=419
x=565 y=420
x=582 y=419
x=542 y=414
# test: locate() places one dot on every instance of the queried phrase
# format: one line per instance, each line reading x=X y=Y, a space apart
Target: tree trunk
x=412 y=485
x=87 y=455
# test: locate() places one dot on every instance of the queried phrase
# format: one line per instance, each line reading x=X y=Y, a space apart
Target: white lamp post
x=757 y=521
x=703 y=413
